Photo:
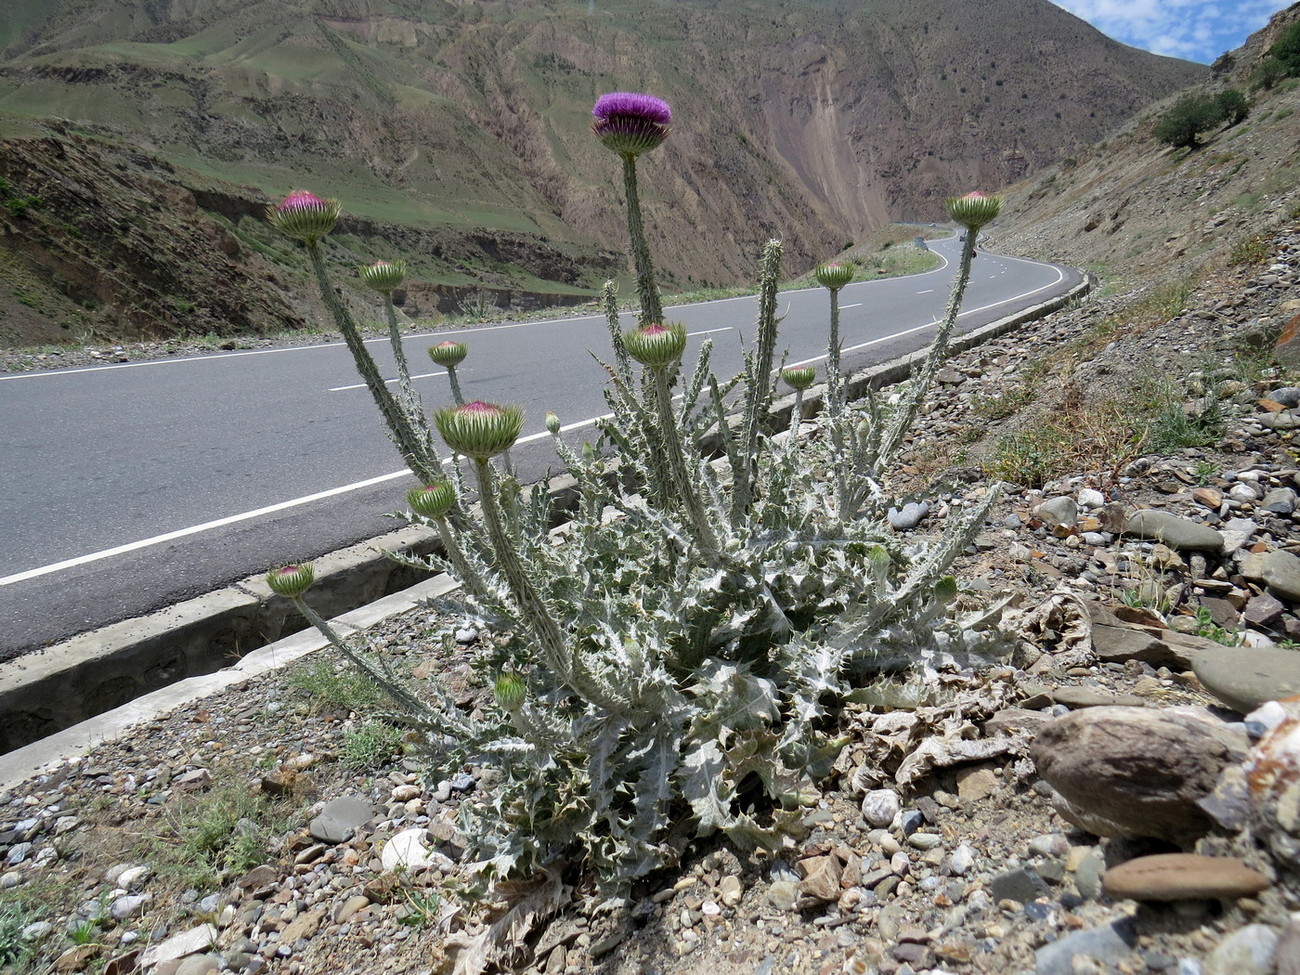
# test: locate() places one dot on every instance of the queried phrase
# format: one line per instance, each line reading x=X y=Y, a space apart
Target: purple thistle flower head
x=630 y=123
x=635 y=104
x=300 y=199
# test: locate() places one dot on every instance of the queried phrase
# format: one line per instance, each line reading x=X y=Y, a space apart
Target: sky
x=1196 y=30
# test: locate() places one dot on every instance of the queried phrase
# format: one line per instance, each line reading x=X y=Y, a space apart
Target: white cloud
x=1198 y=30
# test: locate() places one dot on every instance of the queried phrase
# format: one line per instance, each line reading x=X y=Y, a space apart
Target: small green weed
x=1249 y=250
x=84 y=933
x=372 y=745
x=422 y=907
x=1171 y=425
x=212 y=836
x=1004 y=405
x=19 y=908
x=1203 y=471
x=332 y=689
x=1031 y=457
x=1210 y=630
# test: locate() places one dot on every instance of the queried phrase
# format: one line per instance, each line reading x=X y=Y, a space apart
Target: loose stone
x=1183 y=876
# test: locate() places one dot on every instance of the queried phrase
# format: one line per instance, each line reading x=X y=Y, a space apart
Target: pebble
x=1243 y=678
x=783 y=895
x=880 y=806
x=909 y=516
x=1183 y=876
x=128 y=906
x=340 y=818
x=1176 y=532
x=1109 y=944
x=961 y=860
x=1246 y=951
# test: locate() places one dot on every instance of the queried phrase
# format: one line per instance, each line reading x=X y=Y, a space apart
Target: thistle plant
x=630 y=124
x=386 y=277
x=307 y=217
x=798 y=378
x=675 y=662
x=449 y=355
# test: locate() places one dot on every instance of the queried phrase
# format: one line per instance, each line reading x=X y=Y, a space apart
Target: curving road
x=131 y=487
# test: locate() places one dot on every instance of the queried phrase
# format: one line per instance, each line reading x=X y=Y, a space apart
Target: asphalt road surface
x=127 y=488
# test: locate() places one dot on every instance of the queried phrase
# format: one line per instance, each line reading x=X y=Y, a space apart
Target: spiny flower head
x=479 y=430
x=835 y=274
x=290 y=580
x=630 y=123
x=448 y=354
x=799 y=377
x=656 y=346
x=383 y=276
x=432 y=500
x=974 y=210
x=304 y=216
x=552 y=422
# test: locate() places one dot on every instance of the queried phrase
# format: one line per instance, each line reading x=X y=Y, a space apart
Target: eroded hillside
x=815 y=122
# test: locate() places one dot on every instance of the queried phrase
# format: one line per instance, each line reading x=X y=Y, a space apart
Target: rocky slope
x=1133 y=210
x=814 y=121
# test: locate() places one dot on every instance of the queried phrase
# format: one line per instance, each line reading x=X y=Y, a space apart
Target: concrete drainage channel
x=130 y=671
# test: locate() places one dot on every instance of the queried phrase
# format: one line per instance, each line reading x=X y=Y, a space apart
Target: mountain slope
x=814 y=121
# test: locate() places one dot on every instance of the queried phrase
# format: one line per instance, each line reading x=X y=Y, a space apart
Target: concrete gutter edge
x=21 y=764
x=79 y=739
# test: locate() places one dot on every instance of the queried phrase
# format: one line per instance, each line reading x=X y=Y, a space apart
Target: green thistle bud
x=509 y=692
x=835 y=274
x=304 y=216
x=290 y=581
x=552 y=422
x=448 y=354
x=479 y=430
x=432 y=500
x=383 y=276
x=974 y=210
x=656 y=346
x=945 y=590
x=799 y=377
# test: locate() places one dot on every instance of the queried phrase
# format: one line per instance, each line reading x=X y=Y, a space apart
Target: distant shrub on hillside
x=1190 y=116
x=1287 y=49
x=1233 y=105
x=1283 y=60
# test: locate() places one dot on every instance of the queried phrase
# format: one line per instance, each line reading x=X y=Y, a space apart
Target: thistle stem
x=677 y=465
x=758 y=395
x=399 y=354
x=796 y=415
x=415 y=448
x=534 y=608
x=455 y=386
x=833 y=397
x=609 y=301
x=938 y=353
x=464 y=571
x=408 y=701
x=652 y=310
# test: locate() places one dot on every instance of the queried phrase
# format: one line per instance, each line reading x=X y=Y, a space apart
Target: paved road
x=130 y=487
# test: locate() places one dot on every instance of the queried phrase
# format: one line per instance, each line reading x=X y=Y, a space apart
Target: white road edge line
x=245 y=516
x=1060 y=276
x=195 y=529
